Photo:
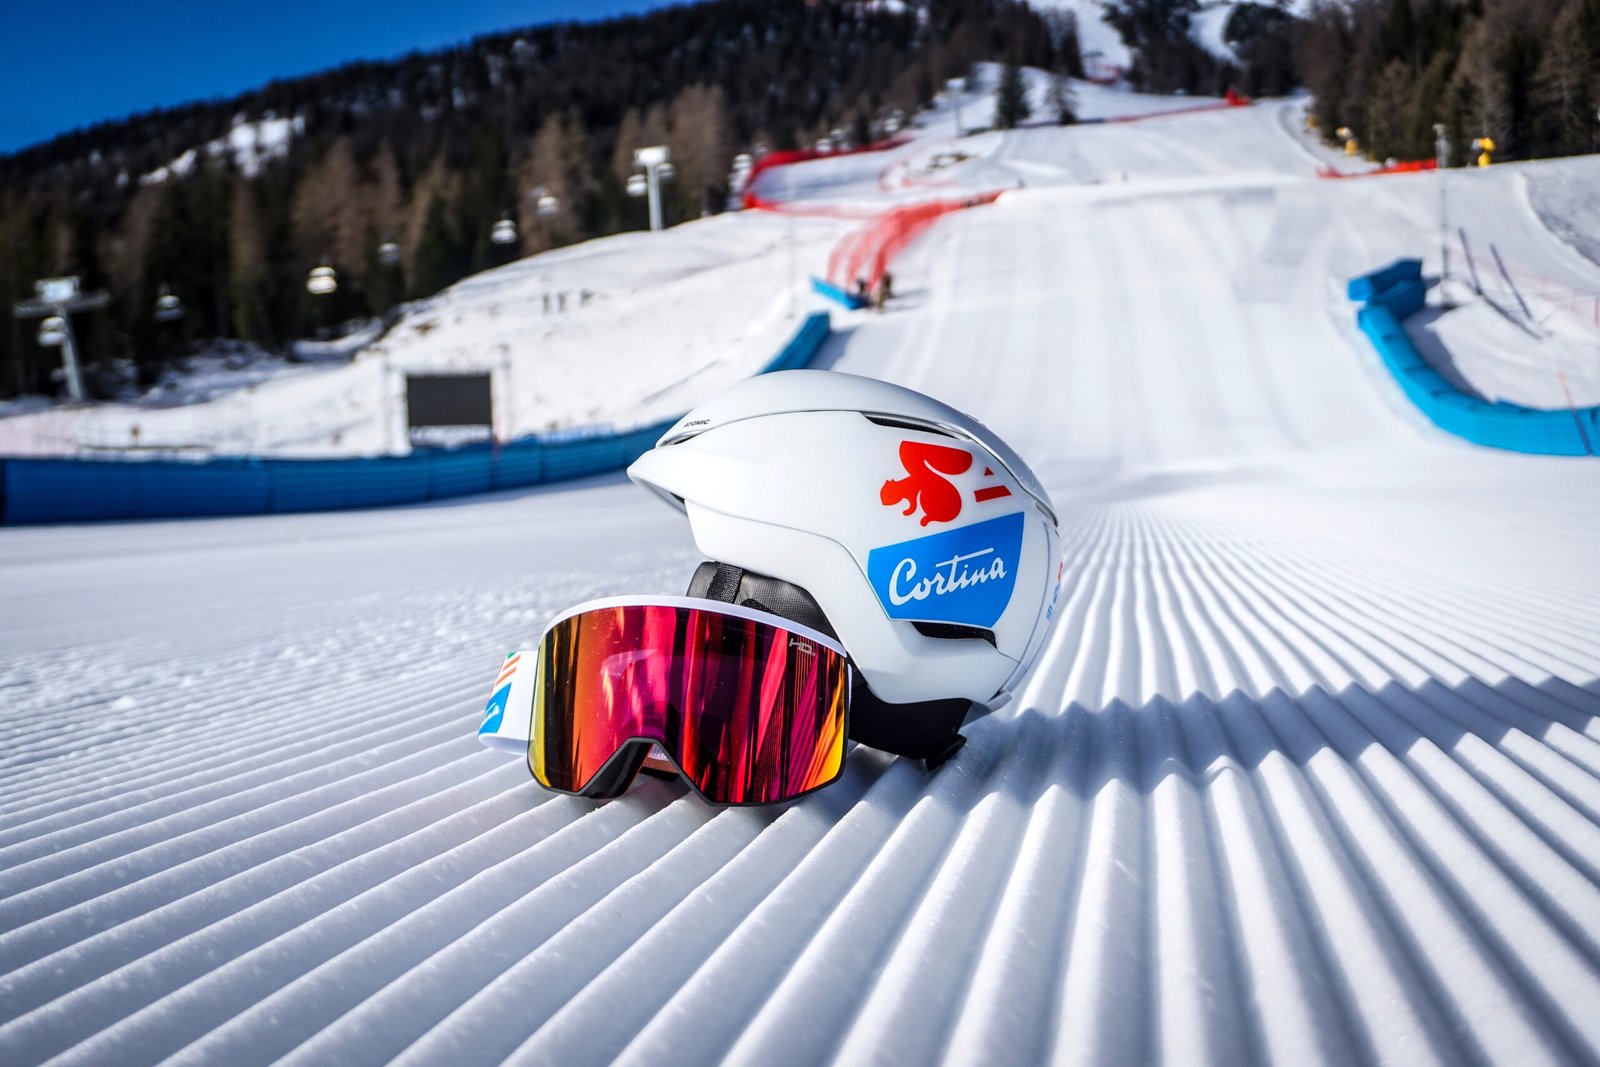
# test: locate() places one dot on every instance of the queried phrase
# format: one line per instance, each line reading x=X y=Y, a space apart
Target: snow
x=1208 y=25
x=1308 y=771
x=248 y=145
x=338 y=349
x=1549 y=359
x=1100 y=44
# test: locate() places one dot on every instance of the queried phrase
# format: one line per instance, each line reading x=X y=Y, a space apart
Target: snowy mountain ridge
x=1104 y=52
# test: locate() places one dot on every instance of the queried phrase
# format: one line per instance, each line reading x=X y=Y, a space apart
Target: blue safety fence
x=1387 y=296
x=75 y=490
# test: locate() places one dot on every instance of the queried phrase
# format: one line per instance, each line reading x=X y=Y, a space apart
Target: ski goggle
x=747 y=706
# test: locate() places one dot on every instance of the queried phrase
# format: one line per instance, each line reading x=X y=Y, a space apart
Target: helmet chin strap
x=928 y=730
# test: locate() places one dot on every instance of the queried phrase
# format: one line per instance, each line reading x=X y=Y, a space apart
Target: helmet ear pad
x=926 y=730
x=734 y=585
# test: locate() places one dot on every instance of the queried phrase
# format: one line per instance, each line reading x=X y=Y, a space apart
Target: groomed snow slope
x=1309 y=771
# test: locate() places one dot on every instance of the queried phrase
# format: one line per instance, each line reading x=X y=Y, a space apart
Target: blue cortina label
x=962 y=576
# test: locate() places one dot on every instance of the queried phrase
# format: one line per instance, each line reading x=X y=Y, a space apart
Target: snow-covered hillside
x=248 y=145
x=1101 y=45
x=1105 y=54
x=621 y=332
x=1308 y=772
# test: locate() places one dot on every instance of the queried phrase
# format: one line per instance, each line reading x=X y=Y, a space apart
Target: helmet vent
x=950 y=631
x=907 y=424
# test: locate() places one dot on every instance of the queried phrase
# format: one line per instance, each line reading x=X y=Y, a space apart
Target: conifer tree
x=247 y=268
x=328 y=217
x=438 y=257
x=1011 y=100
x=1063 y=106
x=1565 y=84
x=699 y=142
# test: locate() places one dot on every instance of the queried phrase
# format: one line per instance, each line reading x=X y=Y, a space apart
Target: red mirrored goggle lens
x=750 y=711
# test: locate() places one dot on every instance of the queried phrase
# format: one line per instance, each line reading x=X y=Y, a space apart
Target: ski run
x=1308 y=772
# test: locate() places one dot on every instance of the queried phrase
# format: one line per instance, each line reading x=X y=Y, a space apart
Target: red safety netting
x=864 y=255
x=803 y=155
x=1406 y=166
x=1229 y=99
x=814 y=208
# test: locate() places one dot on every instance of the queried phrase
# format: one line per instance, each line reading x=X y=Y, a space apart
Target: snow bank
x=1551 y=365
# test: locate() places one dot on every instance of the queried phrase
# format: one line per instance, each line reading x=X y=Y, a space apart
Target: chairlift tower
x=655 y=161
x=55 y=301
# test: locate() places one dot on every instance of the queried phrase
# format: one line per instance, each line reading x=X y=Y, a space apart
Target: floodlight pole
x=788 y=189
x=60 y=297
x=1442 y=148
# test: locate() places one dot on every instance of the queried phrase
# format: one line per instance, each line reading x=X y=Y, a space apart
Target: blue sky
x=71 y=63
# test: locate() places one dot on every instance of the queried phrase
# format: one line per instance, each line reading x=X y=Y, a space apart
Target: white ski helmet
x=926 y=544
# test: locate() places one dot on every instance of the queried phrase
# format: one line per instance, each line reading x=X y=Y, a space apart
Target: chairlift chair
x=168 y=307
x=321 y=281
x=52 y=331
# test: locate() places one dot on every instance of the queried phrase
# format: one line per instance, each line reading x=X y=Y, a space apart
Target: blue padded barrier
x=1404 y=298
x=802 y=347
x=50 y=490
x=332 y=484
x=579 y=459
x=459 y=473
x=168 y=489
x=70 y=490
x=517 y=464
x=1362 y=289
x=836 y=294
x=1392 y=296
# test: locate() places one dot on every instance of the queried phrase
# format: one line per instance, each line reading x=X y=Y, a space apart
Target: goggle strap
x=723 y=583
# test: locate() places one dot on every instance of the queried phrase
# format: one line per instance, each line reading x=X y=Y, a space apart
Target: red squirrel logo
x=925 y=484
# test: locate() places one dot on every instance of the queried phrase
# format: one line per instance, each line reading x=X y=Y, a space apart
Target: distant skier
x=885 y=289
